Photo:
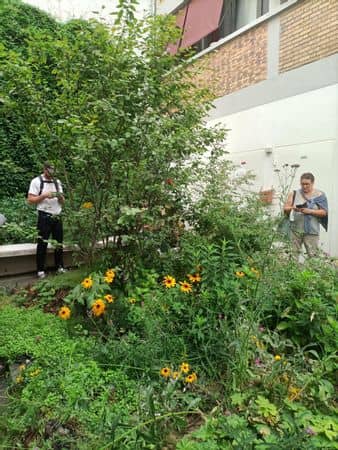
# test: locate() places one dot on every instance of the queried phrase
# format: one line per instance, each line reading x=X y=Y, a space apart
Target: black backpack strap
x=56 y=184
x=42 y=181
x=41 y=185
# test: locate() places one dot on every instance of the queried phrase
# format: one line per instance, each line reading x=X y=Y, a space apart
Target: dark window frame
x=263 y=7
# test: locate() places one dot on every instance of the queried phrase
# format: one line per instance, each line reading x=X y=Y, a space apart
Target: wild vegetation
x=190 y=328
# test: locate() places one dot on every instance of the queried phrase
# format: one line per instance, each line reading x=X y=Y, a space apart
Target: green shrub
x=20 y=226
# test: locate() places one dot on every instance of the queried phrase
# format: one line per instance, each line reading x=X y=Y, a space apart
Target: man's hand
x=45 y=195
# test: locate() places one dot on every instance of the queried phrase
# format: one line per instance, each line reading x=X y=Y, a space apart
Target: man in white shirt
x=46 y=192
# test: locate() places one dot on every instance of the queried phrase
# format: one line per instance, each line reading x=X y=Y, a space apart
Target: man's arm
x=34 y=199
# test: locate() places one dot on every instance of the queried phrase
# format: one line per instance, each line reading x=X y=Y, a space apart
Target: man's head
x=306 y=181
x=48 y=169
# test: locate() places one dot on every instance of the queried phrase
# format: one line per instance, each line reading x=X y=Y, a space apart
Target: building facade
x=272 y=66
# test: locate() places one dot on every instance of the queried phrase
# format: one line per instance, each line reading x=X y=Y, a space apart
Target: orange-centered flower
x=87 y=283
x=169 y=282
x=109 y=298
x=165 y=372
x=110 y=273
x=98 y=307
x=185 y=367
x=192 y=378
x=239 y=274
x=195 y=278
x=185 y=287
x=64 y=313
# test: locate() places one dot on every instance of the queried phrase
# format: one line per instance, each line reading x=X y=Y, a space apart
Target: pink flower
x=310 y=431
x=258 y=362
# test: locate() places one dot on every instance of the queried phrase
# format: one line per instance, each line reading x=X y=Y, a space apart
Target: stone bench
x=19 y=259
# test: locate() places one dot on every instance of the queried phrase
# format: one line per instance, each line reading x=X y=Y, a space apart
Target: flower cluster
x=185 y=286
x=87 y=205
x=23 y=373
x=184 y=373
x=94 y=291
x=250 y=272
x=109 y=276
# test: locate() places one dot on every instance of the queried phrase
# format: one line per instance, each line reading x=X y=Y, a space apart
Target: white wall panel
x=300 y=129
x=167 y=6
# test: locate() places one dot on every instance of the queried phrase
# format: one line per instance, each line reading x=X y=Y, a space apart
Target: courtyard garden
x=190 y=326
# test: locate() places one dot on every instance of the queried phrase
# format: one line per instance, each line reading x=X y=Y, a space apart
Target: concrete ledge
x=18 y=250
x=18 y=259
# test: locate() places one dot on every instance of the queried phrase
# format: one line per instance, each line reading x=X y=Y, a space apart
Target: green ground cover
x=220 y=355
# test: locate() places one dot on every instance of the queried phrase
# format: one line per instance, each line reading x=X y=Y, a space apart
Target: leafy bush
x=20 y=158
x=20 y=226
x=238 y=431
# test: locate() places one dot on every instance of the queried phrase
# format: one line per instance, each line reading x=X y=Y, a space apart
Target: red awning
x=202 y=18
x=180 y=21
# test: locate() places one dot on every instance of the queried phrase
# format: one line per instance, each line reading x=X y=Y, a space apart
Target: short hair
x=48 y=165
x=308 y=176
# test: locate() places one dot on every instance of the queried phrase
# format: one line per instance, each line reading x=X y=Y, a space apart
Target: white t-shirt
x=48 y=205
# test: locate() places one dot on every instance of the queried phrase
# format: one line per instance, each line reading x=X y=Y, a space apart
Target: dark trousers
x=49 y=225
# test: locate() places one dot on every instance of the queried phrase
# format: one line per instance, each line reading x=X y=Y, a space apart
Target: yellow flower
x=22 y=367
x=256 y=272
x=175 y=375
x=87 y=205
x=19 y=379
x=35 y=373
x=64 y=313
x=169 y=282
x=108 y=279
x=110 y=273
x=259 y=344
x=165 y=372
x=185 y=367
x=109 y=298
x=87 y=283
x=132 y=300
x=192 y=378
x=195 y=278
x=239 y=274
x=293 y=392
x=285 y=378
x=185 y=286
x=98 y=307
x=278 y=357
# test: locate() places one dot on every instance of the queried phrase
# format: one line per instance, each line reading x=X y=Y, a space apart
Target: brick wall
x=308 y=32
x=237 y=64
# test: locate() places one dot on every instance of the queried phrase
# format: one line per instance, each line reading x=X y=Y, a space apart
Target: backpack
x=42 y=181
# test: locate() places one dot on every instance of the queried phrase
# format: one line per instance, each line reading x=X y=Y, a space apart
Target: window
x=262 y=7
x=207 y=21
